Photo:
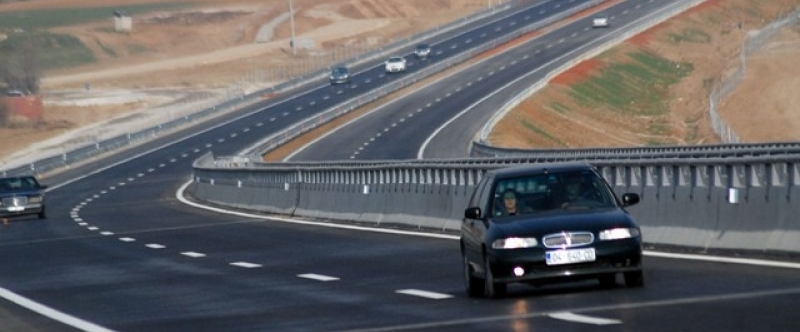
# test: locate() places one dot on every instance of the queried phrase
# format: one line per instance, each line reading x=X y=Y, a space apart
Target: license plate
x=569 y=256
x=16 y=208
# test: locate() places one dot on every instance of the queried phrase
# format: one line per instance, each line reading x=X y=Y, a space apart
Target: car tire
x=473 y=285
x=634 y=279
x=43 y=214
x=492 y=290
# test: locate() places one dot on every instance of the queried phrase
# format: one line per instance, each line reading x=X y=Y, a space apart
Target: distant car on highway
x=395 y=64
x=340 y=75
x=548 y=223
x=422 y=51
x=601 y=21
x=20 y=196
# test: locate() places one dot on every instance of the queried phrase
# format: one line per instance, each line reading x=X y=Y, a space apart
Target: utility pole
x=291 y=22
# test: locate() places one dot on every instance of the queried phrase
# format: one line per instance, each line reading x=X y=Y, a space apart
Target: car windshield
x=18 y=183
x=395 y=59
x=340 y=71
x=547 y=192
x=422 y=47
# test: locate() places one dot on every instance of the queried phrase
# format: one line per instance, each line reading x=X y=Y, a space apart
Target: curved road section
x=120 y=252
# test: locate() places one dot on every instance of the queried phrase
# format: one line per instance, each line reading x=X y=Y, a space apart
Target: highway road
x=121 y=252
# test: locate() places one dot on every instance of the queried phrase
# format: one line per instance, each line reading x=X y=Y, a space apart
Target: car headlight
x=515 y=243
x=35 y=199
x=618 y=233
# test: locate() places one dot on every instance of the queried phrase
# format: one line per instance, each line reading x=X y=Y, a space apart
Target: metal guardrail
x=709 y=203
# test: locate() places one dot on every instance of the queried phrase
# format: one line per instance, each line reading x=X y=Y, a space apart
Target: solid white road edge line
x=571 y=317
x=51 y=313
x=718 y=259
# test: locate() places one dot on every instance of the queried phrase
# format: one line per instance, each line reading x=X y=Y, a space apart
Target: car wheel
x=634 y=279
x=608 y=281
x=492 y=290
x=43 y=214
x=473 y=285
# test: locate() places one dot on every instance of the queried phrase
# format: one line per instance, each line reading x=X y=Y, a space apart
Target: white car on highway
x=395 y=64
x=600 y=21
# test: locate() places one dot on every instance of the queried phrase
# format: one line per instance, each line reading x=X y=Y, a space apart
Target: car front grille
x=15 y=201
x=567 y=239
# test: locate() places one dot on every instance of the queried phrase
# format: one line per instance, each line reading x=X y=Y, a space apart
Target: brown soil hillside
x=708 y=38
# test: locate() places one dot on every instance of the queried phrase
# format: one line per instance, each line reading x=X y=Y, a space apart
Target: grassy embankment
x=634 y=86
x=30 y=30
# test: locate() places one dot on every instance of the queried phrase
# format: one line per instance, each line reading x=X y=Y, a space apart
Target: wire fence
x=755 y=41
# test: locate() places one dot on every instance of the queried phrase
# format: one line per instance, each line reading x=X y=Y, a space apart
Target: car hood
x=19 y=192
x=559 y=221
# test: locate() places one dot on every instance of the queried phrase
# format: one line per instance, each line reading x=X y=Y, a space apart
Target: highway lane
x=415 y=119
x=218 y=273
x=73 y=261
x=120 y=251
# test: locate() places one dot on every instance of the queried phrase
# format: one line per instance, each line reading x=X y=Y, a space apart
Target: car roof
x=527 y=169
x=396 y=58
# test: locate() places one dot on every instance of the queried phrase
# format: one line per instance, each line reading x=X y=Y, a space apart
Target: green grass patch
x=51 y=50
x=690 y=35
x=638 y=88
x=50 y=18
x=559 y=107
x=138 y=49
x=540 y=132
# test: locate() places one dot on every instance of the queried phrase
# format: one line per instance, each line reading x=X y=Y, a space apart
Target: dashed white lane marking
x=570 y=317
x=92 y=228
x=127 y=239
x=107 y=233
x=83 y=224
x=246 y=265
x=193 y=254
x=425 y=294
x=318 y=277
x=155 y=246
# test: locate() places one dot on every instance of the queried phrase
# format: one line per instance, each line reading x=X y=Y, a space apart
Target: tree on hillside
x=20 y=68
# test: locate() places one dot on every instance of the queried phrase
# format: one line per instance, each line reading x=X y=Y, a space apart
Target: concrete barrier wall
x=743 y=204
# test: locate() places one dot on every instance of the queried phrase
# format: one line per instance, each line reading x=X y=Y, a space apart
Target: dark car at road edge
x=548 y=223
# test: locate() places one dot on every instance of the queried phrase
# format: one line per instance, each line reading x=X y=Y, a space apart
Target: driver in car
x=510 y=206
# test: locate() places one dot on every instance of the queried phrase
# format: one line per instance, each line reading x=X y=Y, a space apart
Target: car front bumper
x=610 y=257
x=13 y=211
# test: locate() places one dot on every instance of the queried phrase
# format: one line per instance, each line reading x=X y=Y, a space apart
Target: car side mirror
x=629 y=199
x=472 y=213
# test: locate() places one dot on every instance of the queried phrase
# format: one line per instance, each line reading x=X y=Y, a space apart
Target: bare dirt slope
x=204 y=49
x=708 y=37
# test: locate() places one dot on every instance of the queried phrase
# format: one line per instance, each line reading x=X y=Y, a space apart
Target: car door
x=474 y=229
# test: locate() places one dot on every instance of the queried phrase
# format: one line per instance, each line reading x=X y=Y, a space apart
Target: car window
x=554 y=191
